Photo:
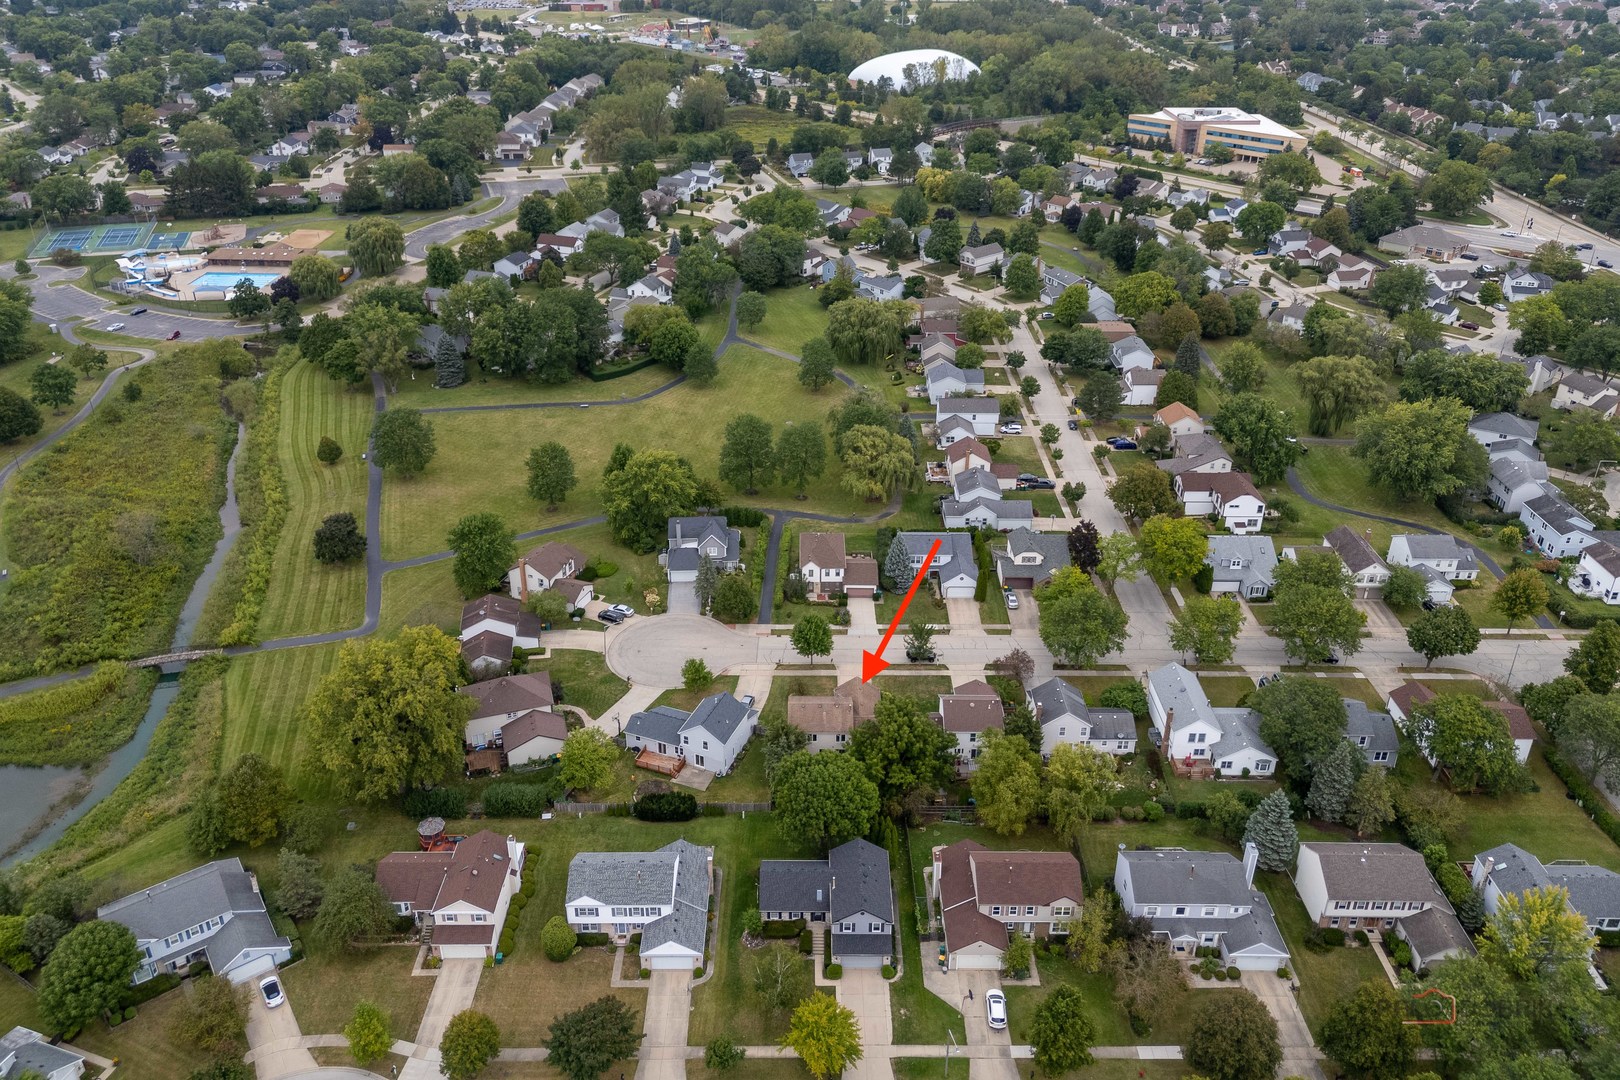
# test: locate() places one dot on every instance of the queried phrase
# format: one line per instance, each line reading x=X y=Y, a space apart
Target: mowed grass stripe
x=306 y=597
x=263 y=693
x=480 y=461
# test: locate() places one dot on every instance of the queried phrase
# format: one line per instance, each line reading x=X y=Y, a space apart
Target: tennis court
x=95 y=240
x=173 y=241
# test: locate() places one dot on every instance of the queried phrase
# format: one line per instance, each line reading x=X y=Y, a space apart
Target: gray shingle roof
x=676 y=873
x=1174 y=876
x=1593 y=890
x=863 y=944
x=1056 y=699
x=1435 y=932
x=1353 y=549
x=185 y=900
x=1052 y=547
x=1513 y=473
x=719 y=715
x=1364 y=871
x=860 y=874
x=252 y=930
x=1257 y=554
x=1376 y=727
x=1551 y=508
x=27 y=1050
x=794 y=885
x=1240 y=730
x=1505 y=425
x=660 y=724
x=1437 y=546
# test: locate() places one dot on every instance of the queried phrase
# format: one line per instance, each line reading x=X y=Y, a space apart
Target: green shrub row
x=516 y=800
x=266 y=489
x=447 y=803
x=141 y=993
x=667 y=806
x=786 y=928
x=1590 y=800
x=593 y=939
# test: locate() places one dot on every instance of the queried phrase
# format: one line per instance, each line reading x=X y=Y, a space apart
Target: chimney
x=523 y=579
x=1251 y=858
x=1169 y=721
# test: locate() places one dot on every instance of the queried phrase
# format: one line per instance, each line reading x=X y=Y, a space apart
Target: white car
x=1012 y=600
x=270 y=987
x=1011 y=429
x=115 y=327
x=624 y=609
x=995 y=1009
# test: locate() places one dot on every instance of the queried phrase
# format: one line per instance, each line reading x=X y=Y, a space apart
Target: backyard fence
x=708 y=808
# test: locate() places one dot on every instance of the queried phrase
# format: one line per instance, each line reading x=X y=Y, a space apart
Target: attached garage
x=461 y=952
x=976 y=957
x=255 y=968
x=670 y=957
x=860 y=961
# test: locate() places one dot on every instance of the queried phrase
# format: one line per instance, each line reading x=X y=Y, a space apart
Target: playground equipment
x=1433 y=992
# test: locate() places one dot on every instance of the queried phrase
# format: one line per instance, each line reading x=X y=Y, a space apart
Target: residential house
x=1352 y=272
x=935 y=347
x=212 y=912
x=1368 y=572
x=1554 y=526
x=1376 y=887
x=828 y=572
x=1578 y=391
x=331 y=194
x=1509 y=870
x=498 y=703
x=982 y=259
x=492 y=627
x=1197 y=453
x=1287 y=242
x=1288 y=316
x=1542 y=371
x=1052 y=209
x=799 y=164
x=1373 y=733
x=970 y=453
x=24 y=1052
x=1245 y=565
x=1494 y=430
x=880 y=286
x=954 y=571
x=850 y=890
x=1406 y=697
x=515 y=265
x=1231 y=496
x=1523 y=284
x=967 y=712
x=460 y=895
x=977 y=503
x=1198 y=738
x=1130 y=352
x=1317 y=252
x=1597 y=575
x=986 y=896
x=945 y=380
x=1425 y=241
x=832 y=214
x=827 y=720
x=1066 y=719
x=657 y=203
x=552 y=565
x=692 y=538
x=881 y=158
x=1102 y=303
x=1142 y=385
x=1030 y=558
x=652 y=287
x=978 y=414
x=1055 y=280
x=1519 y=727
x=1513 y=481
x=1439 y=557
x=1098 y=178
x=711 y=736
x=1180 y=419
x=663 y=895
x=1202 y=900
x=1227 y=213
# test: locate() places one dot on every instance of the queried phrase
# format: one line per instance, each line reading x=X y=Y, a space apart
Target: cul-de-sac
x=798 y=539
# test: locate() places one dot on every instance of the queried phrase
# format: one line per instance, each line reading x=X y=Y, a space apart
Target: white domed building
x=914 y=68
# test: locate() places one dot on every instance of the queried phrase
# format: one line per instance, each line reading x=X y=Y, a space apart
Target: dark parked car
x=175 y=336
x=1120 y=442
x=1074 y=425
x=138 y=311
x=1035 y=483
x=609 y=616
x=1465 y=325
x=1606 y=264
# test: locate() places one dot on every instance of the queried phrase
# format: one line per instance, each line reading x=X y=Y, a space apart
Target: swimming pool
x=224 y=281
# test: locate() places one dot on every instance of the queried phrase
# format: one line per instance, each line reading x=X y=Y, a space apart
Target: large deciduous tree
x=643 y=493
x=1007 y=783
x=748 y=454
x=1078 y=623
x=1302 y=719
x=1421 y=449
x=1234 y=1037
x=1173 y=547
x=1367 y=1035
x=825 y=1035
x=1337 y=389
x=377 y=246
x=1062 y=1033
x=585 y=1042
x=388 y=717
x=353 y=911
x=801 y=454
x=402 y=440
x=823 y=799
x=1260 y=432
x=1142 y=491
x=1445 y=631
x=1535 y=931
x=1521 y=594
x=1079 y=781
x=1207 y=627
x=1589 y=733
x=1471 y=742
x=551 y=474
x=1596 y=660
x=876 y=462
x=87 y=975
x=903 y=751
x=485 y=548
x=1314 y=621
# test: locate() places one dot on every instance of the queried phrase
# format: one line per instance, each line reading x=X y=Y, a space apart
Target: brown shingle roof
x=958 y=713
x=1518 y=720
x=570 y=589
x=534 y=724
x=476 y=873
x=961 y=448
x=821 y=714
x=511 y=694
x=1376 y=872
x=1175 y=411
x=1409 y=695
x=860 y=570
x=1353 y=548
x=864 y=696
x=487 y=645
x=490 y=606
x=413 y=876
x=1025 y=877
x=964 y=924
x=549 y=559
x=825 y=549
x=1228 y=485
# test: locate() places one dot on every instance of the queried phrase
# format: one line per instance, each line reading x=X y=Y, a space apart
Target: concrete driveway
x=964 y=615
x=683 y=598
x=669 y=1013
x=1300 y=1056
x=1027 y=618
x=863 y=992
x=453 y=992
x=273 y=1036
x=979 y=1032
x=862 y=616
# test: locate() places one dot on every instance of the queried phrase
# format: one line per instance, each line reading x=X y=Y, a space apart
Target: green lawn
x=919 y=1016
x=687 y=700
x=786 y=686
x=1226 y=691
x=423 y=595
x=792 y=317
x=325 y=985
x=481 y=389
x=306 y=596
x=418 y=513
x=14 y=376
x=263 y=693
x=1331 y=473
x=1325 y=978
x=585 y=679
x=143 y=1046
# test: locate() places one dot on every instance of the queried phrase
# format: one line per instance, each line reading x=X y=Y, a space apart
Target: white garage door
x=252 y=969
x=958 y=592
x=975 y=962
x=667 y=963
x=861 y=961
x=1255 y=963
x=462 y=952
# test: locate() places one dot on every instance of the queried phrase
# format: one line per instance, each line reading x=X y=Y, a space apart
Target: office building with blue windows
x=1249 y=136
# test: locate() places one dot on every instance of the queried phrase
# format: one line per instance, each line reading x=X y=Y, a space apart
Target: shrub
x=697 y=972
x=1402 y=956
x=666 y=806
x=1152 y=811
x=1284 y=973
x=783 y=928
x=1333 y=937
x=1361 y=937
x=1233 y=973
x=807 y=944
x=835 y=971
x=588 y=941
x=558 y=939
x=506 y=944
x=888 y=971
x=436 y=802
x=515 y=800
x=722 y=1054
x=743 y=517
x=129 y=1013
x=646 y=973
x=1221 y=975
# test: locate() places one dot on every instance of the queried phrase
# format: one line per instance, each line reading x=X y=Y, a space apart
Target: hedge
x=786 y=928
x=743 y=517
x=589 y=940
x=807 y=945
x=1590 y=800
x=151 y=988
x=666 y=806
x=515 y=800
x=447 y=803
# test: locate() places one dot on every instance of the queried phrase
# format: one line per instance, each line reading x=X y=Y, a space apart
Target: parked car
x=115 y=327
x=1074 y=425
x=138 y=311
x=1469 y=255
x=1120 y=442
x=995 y=1009
x=1046 y=315
x=609 y=616
x=1260 y=251
x=624 y=609
x=1330 y=658
x=1606 y=264
x=175 y=336
x=1583 y=247
x=1012 y=600
x=1013 y=428
x=1498 y=307
x=1035 y=483
x=270 y=987
x=1466 y=325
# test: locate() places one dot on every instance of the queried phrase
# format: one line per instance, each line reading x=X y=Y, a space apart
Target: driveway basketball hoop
x=1432 y=992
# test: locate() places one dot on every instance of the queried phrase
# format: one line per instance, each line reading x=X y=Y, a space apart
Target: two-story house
x=1368 y=573
x=1439 y=557
x=954 y=571
x=1064 y=716
x=967 y=712
x=982 y=259
x=1578 y=391
x=850 y=890
x=461 y=895
x=970 y=453
x=663 y=895
x=552 y=565
x=1373 y=733
x=1141 y=385
x=515 y=714
x=1377 y=887
x=212 y=912
x=1182 y=420
x=1494 y=429
x=1245 y=565
x=1030 y=558
x=1597 y=575
x=1202 y=899
x=1130 y=352
x=491 y=627
x=1198 y=738
x=1508 y=869
x=691 y=539
x=1197 y=453
x=27 y=1053
x=1231 y=496
x=828 y=571
x=827 y=720
x=986 y=896
x=1554 y=526
x=711 y=736
x=979 y=414
x=1523 y=284
x=945 y=379
x=1514 y=481
x=976 y=502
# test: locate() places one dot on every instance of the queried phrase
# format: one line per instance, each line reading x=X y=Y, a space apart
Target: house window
x=1196 y=737
x=705 y=744
x=1361 y=740
x=1209 y=912
x=447 y=918
x=1181 y=910
x=1388 y=923
x=995 y=909
x=1029 y=909
x=1227 y=764
x=1380 y=755
x=846 y=928
x=1062 y=911
x=1150 y=912
x=874 y=928
x=1333 y=921
x=1379 y=905
x=1262 y=765
x=480 y=918
x=1359 y=905
x=587 y=913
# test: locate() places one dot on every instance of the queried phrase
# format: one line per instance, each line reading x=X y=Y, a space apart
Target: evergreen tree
x=1271 y=829
x=708 y=576
x=897 y=565
x=449 y=366
x=1188 y=358
x=973 y=238
x=1333 y=781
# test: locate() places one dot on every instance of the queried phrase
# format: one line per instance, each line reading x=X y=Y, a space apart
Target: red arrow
x=872 y=662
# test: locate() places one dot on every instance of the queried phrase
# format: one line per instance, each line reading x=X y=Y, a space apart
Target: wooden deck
x=660 y=763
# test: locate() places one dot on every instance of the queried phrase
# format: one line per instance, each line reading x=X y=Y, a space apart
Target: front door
x=700 y=759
